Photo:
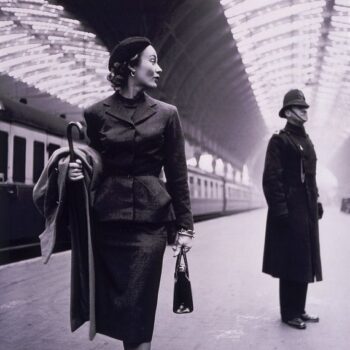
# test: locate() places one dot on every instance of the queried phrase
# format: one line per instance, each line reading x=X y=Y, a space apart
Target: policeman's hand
x=320 y=210
x=75 y=170
x=182 y=241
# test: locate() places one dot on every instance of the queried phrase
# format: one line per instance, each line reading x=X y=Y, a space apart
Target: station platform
x=236 y=305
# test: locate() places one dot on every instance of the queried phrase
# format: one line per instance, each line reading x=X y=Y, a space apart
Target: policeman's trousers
x=292 y=298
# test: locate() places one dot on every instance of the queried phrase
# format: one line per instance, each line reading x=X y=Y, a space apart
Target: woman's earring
x=132 y=73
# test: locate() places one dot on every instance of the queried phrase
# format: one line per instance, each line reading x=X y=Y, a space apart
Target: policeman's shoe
x=308 y=318
x=296 y=323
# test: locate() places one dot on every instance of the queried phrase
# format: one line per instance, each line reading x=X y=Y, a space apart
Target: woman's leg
x=140 y=346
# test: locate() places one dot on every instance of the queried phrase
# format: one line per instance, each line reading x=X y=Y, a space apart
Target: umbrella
x=82 y=262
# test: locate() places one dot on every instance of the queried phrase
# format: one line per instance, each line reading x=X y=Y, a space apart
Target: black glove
x=319 y=210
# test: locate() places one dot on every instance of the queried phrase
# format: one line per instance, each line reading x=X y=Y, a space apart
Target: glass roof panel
x=52 y=52
x=296 y=44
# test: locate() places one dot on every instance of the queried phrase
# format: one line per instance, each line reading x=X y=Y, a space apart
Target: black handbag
x=183 y=302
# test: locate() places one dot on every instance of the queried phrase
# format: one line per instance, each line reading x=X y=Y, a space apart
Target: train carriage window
x=211 y=189
x=191 y=186
x=205 y=188
x=199 y=188
x=38 y=159
x=19 y=159
x=216 y=190
x=4 y=145
x=52 y=148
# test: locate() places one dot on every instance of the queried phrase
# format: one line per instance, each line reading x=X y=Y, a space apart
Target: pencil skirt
x=128 y=265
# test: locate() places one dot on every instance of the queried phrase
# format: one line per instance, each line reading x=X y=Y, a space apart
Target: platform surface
x=236 y=306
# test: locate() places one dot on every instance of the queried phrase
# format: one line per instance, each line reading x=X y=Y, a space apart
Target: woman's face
x=148 y=70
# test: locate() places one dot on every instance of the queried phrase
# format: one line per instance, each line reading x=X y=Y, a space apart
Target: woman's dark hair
x=120 y=72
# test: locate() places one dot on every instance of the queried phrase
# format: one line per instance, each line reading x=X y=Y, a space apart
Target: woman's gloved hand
x=183 y=239
x=75 y=171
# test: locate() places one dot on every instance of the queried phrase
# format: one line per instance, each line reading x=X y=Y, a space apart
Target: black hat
x=293 y=97
x=127 y=49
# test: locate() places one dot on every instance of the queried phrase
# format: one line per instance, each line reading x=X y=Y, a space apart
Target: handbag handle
x=178 y=261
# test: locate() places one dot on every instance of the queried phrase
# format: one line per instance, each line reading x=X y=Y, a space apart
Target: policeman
x=292 y=249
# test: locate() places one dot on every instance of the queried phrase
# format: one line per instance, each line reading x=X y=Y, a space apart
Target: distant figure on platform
x=292 y=249
x=136 y=135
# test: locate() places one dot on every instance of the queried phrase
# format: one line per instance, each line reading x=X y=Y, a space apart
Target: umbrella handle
x=70 y=126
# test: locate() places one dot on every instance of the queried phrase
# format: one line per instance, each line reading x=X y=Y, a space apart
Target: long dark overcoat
x=292 y=249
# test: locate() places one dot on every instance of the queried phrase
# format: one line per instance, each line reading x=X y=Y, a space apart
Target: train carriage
x=206 y=191
x=28 y=137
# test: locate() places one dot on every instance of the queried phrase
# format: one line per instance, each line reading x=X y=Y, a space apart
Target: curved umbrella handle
x=70 y=126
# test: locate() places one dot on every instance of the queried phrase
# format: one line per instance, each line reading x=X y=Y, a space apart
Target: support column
x=213 y=163
x=197 y=155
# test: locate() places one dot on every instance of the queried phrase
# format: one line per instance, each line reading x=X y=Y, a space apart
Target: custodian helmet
x=293 y=97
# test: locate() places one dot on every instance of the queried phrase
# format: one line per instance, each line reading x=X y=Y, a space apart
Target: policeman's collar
x=295 y=129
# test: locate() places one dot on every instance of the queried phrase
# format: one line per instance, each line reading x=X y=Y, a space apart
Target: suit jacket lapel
x=114 y=108
x=145 y=110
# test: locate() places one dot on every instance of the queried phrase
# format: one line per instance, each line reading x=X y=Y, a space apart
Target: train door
x=5 y=202
x=224 y=194
x=20 y=222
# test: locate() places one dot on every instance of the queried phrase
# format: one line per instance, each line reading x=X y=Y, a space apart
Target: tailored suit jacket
x=133 y=153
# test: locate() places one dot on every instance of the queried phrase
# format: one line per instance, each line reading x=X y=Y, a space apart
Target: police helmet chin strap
x=297 y=116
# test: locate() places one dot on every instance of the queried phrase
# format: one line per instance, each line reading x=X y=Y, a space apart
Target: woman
x=136 y=136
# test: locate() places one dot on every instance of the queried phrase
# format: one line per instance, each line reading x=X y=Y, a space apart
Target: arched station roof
x=226 y=63
x=286 y=44
x=203 y=73
x=62 y=47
